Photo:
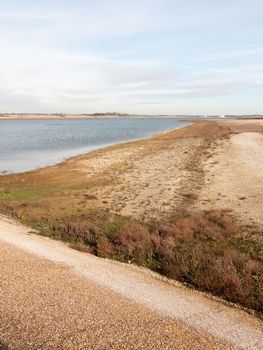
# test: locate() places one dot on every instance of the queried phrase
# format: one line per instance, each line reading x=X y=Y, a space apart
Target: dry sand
x=152 y=184
x=234 y=178
x=149 y=183
x=53 y=297
x=146 y=179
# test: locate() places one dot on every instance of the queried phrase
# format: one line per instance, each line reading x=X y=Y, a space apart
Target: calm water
x=29 y=144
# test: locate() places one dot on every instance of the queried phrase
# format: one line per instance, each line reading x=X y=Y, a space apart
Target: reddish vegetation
x=207 y=250
x=204 y=250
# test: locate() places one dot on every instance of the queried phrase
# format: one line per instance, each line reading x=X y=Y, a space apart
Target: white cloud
x=153 y=56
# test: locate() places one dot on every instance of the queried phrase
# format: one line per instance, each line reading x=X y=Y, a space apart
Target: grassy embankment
x=206 y=250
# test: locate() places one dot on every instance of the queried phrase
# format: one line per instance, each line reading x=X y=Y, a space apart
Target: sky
x=131 y=56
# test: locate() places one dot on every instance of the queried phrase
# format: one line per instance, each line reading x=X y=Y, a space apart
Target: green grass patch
x=24 y=193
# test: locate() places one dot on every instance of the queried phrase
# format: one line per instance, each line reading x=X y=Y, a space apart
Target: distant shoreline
x=61 y=116
x=81 y=116
x=59 y=154
x=201 y=183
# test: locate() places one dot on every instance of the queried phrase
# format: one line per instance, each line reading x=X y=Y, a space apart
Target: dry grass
x=66 y=190
x=207 y=250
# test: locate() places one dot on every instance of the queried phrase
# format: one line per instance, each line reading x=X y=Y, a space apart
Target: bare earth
x=234 y=178
x=139 y=193
x=53 y=297
x=148 y=183
x=146 y=179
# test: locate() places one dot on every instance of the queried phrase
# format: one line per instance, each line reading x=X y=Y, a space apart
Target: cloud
x=134 y=56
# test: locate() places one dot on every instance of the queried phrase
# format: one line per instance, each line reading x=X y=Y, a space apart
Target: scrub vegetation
x=209 y=250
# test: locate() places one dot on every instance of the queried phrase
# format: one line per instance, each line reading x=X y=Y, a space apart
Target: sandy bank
x=155 y=188
x=180 y=171
x=149 y=178
x=234 y=177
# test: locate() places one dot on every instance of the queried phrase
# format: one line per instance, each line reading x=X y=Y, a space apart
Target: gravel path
x=52 y=297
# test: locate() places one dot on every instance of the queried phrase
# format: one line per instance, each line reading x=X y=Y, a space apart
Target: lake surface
x=29 y=144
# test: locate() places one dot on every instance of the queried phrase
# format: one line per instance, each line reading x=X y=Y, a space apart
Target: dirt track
x=234 y=178
x=86 y=300
x=53 y=297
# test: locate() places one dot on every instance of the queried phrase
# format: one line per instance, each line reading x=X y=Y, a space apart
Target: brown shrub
x=206 y=250
x=104 y=247
x=134 y=242
x=251 y=266
x=188 y=227
x=224 y=220
x=84 y=233
x=234 y=257
x=221 y=278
